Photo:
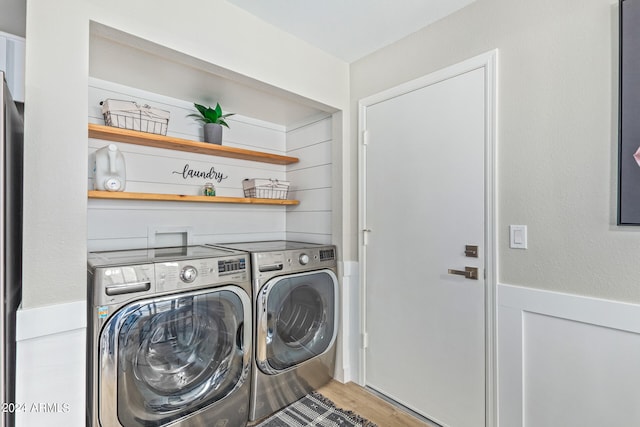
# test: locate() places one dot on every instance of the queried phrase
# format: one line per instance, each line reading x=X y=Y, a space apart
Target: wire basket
x=130 y=115
x=265 y=188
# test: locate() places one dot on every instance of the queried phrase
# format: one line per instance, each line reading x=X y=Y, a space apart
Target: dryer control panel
x=277 y=262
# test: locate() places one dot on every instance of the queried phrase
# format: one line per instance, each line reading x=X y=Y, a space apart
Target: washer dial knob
x=188 y=274
x=304 y=259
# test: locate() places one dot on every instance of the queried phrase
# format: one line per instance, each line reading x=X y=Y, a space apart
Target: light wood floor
x=352 y=397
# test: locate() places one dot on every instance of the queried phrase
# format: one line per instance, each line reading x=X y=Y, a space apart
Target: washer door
x=297 y=319
x=169 y=357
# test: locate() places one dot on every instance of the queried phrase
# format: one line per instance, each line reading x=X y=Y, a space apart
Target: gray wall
x=13 y=17
x=557 y=141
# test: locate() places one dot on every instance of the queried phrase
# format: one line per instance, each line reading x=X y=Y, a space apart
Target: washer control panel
x=197 y=273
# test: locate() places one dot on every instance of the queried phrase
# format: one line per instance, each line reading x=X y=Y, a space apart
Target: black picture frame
x=629 y=114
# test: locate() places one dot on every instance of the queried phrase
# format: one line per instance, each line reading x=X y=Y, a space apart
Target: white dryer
x=169 y=337
x=296 y=321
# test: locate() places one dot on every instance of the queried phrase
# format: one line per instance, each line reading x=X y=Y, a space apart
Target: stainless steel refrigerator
x=11 y=167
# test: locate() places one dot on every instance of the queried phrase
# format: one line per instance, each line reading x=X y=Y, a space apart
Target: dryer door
x=166 y=358
x=297 y=319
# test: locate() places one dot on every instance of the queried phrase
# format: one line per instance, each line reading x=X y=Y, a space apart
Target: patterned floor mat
x=314 y=410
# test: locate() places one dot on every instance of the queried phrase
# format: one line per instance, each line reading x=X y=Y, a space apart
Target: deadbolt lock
x=471 y=251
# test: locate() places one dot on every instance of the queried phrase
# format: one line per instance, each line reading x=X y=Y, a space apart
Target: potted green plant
x=213 y=120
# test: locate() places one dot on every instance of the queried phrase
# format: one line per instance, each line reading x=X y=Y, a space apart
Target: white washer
x=169 y=337
x=296 y=320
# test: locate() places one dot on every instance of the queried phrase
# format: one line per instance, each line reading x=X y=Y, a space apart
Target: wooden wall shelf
x=160 y=141
x=118 y=195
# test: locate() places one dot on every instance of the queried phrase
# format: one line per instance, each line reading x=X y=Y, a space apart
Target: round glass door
x=178 y=355
x=300 y=319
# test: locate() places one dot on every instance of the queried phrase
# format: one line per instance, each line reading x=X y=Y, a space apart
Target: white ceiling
x=350 y=29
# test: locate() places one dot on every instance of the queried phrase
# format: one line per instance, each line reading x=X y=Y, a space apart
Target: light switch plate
x=518 y=236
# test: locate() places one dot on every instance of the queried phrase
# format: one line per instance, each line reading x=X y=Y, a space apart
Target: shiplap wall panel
x=318 y=199
x=244 y=132
x=114 y=224
x=310 y=178
x=209 y=224
x=199 y=239
x=309 y=134
x=134 y=221
x=309 y=237
x=125 y=224
x=310 y=182
x=311 y=157
x=299 y=222
x=149 y=169
x=254 y=135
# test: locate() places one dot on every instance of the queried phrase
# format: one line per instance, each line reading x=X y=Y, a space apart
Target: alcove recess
x=158 y=69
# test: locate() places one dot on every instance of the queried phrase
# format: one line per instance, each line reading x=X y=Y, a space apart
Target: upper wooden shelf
x=160 y=141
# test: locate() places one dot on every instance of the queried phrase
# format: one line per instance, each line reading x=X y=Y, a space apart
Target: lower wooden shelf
x=120 y=195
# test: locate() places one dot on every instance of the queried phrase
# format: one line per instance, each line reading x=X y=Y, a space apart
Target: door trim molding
x=487 y=61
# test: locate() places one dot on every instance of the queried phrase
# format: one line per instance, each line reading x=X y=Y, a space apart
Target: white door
x=424 y=178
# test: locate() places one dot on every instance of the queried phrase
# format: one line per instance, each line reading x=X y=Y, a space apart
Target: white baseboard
x=566 y=360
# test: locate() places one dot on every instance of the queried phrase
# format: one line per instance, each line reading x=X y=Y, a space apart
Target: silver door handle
x=271 y=267
x=468 y=273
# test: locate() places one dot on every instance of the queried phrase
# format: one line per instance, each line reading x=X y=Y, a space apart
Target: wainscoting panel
x=350 y=320
x=566 y=360
x=51 y=393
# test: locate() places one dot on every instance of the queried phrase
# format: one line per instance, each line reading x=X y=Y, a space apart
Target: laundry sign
x=211 y=174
